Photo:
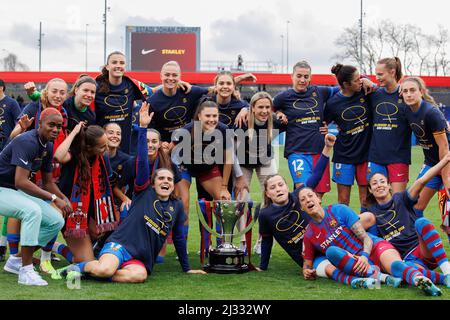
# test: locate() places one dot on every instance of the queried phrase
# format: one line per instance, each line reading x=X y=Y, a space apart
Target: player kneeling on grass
x=337 y=233
x=129 y=253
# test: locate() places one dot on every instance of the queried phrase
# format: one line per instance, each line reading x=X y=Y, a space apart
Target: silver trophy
x=226 y=258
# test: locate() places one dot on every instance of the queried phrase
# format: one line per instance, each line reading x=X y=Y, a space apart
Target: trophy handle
x=205 y=225
x=255 y=218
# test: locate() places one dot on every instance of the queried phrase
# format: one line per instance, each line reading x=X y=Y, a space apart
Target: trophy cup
x=226 y=258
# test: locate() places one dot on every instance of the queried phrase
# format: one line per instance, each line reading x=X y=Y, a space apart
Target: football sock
x=435 y=277
x=342 y=277
x=63 y=250
x=13 y=243
x=419 y=213
x=401 y=270
x=433 y=242
x=342 y=260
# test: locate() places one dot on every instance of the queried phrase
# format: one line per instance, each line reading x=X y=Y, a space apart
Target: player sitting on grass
x=130 y=252
x=337 y=232
x=394 y=219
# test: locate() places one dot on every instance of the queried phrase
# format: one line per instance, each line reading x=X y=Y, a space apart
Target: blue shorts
x=435 y=183
x=184 y=173
x=346 y=174
x=318 y=260
x=118 y=250
x=301 y=166
x=373 y=168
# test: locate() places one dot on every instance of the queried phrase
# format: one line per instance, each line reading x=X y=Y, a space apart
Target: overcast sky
x=252 y=28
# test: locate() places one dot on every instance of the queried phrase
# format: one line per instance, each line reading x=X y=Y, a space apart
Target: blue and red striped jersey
x=333 y=230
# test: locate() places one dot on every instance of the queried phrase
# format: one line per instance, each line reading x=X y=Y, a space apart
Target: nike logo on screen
x=24 y=162
x=144 y=52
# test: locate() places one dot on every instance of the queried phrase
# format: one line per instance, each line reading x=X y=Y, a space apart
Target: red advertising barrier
x=191 y=77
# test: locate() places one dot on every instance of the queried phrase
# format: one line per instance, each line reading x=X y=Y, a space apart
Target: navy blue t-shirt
x=229 y=111
x=352 y=115
x=206 y=160
x=129 y=172
x=135 y=126
x=425 y=123
x=395 y=221
x=74 y=115
x=287 y=224
x=116 y=105
x=143 y=232
x=305 y=113
x=391 y=135
x=260 y=151
x=9 y=112
x=119 y=167
x=25 y=151
x=173 y=112
x=65 y=182
x=149 y=221
x=33 y=109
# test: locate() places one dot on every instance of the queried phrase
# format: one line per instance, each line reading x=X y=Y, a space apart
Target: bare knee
x=139 y=276
x=329 y=269
x=367 y=219
x=344 y=198
x=103 y=271
x=131 y=275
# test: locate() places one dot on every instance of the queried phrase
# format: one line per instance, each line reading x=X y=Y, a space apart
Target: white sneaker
x=29 y=277
x=243 y=246
x=257 y=248
x=13 y=264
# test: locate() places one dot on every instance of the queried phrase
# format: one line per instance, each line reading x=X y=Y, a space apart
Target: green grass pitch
x=283 y=280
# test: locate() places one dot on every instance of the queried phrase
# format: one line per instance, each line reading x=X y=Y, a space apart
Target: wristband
x=35 y=95
x=365 y=254
x=54 y=197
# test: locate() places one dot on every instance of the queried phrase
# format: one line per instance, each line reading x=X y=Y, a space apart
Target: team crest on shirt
x=44 y=154
x=362 y=100
x=333 y=223
x=171 y=208
x=400 y=101
x=126 y=91
x=314 y=94
x=184 y=100
x=422 y=122
x=338 y=173
x=299 y=174
x=119 y=167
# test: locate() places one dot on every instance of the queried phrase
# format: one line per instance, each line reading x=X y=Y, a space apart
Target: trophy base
x=226 y=261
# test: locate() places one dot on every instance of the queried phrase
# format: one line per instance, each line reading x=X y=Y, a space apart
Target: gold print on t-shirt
x=284 y=223
x=388 y=110
x=116 y=101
